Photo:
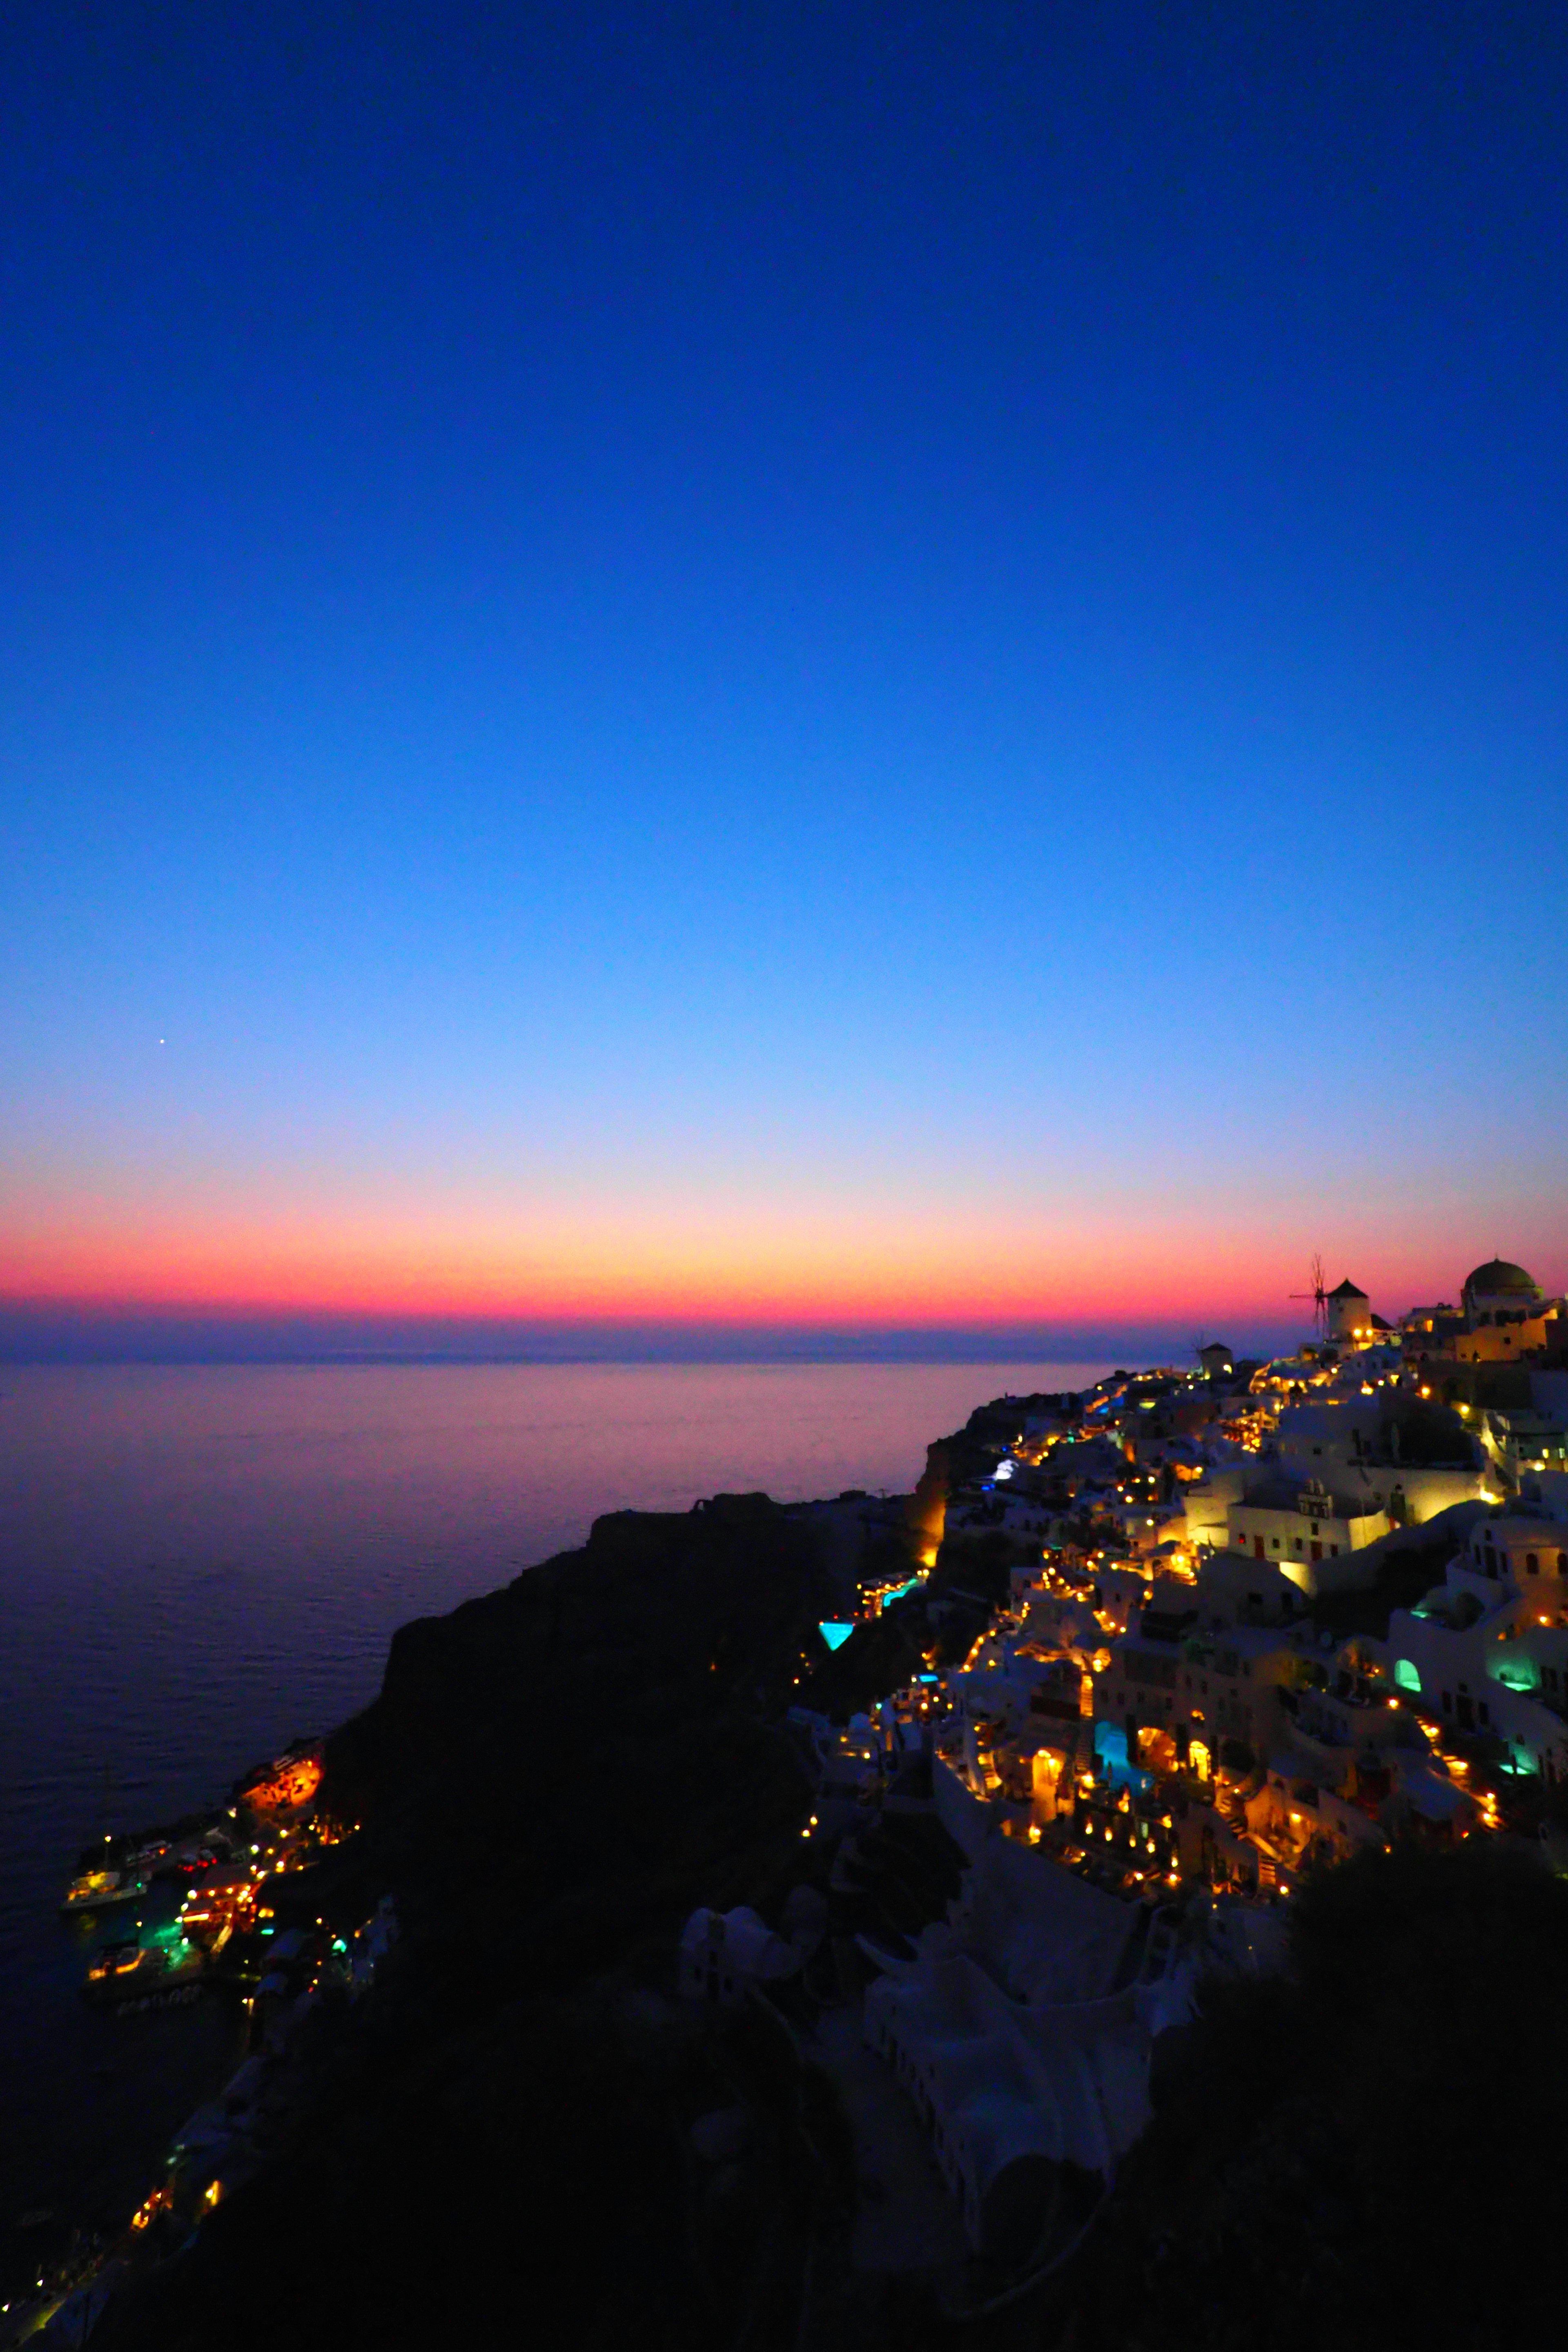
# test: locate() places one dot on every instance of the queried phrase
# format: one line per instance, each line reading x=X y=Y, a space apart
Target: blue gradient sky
x=854 y=667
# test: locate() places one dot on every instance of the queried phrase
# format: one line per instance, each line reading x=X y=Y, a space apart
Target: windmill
x=1318 y=1295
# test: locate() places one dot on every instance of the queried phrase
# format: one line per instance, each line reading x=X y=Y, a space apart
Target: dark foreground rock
x=496 y=2146
x=1359 y=2153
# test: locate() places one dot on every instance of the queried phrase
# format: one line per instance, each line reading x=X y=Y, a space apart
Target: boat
x=95 y=1890
x=134 y=1970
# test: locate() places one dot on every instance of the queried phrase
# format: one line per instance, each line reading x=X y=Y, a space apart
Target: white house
x=1487 y=1651
x=724 y=1953
x=1008 y=2036
x=1305 y=1530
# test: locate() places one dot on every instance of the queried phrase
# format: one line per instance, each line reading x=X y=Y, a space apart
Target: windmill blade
x=1319 y=1293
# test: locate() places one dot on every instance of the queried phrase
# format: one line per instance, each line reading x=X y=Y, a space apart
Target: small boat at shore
x=96 y=1890
x=134 y=1970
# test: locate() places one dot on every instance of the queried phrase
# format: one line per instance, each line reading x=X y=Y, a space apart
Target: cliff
x=594 y=1735
x=550 y=1779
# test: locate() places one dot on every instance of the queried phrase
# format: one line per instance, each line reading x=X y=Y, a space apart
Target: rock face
x=1299 y=2188
x=927 y=1509
x=587 y=1733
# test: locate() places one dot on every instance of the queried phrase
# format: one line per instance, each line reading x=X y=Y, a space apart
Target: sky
x=893 y=673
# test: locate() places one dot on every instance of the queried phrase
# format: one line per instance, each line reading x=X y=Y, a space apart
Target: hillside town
x=1321 y=1600
x=1196 y=1637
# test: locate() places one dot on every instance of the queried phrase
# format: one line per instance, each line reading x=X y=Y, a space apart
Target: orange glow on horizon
x=711 y=1262
x=896 y=1284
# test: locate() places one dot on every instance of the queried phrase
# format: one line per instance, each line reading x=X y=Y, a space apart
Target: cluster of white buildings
x=1260 y=1616
x=1212 y=1599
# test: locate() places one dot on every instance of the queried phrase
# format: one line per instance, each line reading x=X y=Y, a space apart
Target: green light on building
x=1406 y=1675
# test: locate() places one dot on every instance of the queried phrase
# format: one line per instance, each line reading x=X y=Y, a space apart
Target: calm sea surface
x=196 y=1564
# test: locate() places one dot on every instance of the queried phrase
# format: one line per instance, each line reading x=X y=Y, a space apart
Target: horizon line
x=62 y=1334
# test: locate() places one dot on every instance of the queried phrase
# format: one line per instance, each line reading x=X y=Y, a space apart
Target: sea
x=200 y=1563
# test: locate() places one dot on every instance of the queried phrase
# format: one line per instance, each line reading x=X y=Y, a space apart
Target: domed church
x=1499 y=1288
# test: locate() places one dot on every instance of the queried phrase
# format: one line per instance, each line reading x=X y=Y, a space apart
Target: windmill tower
x=1319 y=1295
